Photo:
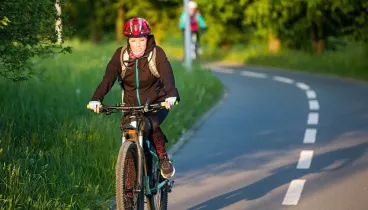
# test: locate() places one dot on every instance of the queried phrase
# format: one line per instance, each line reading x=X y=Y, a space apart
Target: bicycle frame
x=132 y=129
x=132 y=135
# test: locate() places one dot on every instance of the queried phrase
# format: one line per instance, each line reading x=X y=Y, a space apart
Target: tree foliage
x=92 y=17
x=295 y=21
x=239 y=21
x=27 y=30
x=27 y=27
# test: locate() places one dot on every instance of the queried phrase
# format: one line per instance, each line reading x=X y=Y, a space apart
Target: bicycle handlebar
x=144 y=108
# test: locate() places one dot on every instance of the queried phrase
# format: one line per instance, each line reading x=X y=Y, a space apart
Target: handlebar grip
x=89 y=107
x=164 y=103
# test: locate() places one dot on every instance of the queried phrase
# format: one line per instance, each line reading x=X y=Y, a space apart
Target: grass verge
x=54 y=153
x=349 y=62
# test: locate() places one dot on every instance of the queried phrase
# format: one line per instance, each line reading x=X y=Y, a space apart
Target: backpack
x=124 y=57
x=194 y=26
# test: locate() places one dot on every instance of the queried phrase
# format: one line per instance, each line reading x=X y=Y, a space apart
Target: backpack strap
x=152 y=63
x=124 y=57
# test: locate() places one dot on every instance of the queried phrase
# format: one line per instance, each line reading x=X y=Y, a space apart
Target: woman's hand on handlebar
x=169 y=102
x=95 y=106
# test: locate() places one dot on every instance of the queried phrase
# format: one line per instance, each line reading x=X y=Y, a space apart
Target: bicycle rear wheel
x=129 y=179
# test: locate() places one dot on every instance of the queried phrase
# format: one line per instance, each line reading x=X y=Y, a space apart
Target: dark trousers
x=153 y=131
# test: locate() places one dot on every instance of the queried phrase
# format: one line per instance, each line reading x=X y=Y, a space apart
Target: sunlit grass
x=350 y=62
x=55 y=154
x=347 y=61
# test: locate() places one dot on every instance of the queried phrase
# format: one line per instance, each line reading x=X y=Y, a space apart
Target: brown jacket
x=157 y=89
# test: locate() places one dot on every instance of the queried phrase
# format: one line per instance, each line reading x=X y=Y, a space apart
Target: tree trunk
x=274 y=44
x=225 y=45
x=318 y=43
x=58 y=25
x=96 y=28
x=119 y=24
x=96 y=33
x=321 y=46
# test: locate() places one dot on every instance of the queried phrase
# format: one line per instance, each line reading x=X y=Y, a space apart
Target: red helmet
x=136 y=27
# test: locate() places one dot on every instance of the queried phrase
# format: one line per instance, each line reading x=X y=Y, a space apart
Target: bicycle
x=150 y=187
x=194 y=45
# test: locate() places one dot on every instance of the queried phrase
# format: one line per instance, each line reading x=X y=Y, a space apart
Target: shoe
x=167 y=168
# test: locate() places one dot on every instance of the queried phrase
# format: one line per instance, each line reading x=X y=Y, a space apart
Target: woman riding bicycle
x=140 y=84
x=197 y=23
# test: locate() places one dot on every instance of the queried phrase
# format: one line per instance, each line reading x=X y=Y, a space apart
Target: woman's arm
x=166 y=74
x=182 y=21
x=201 y=22
x=113 y=70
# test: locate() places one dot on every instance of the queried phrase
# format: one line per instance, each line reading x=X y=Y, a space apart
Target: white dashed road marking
x=223 y=70
x=311 y=94
x=283 y=79
x=305 y=159
x=302 y=86
x=294 y=192
x=313 y=105
x=253 y=74
x=313 y=118
x=296 y=186
x=310 y=136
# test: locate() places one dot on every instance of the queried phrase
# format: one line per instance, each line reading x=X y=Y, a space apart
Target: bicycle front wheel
x=129 y=179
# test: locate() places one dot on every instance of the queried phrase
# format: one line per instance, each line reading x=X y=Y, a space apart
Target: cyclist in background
x=197 y=22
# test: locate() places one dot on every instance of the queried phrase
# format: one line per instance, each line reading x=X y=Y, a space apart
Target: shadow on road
x=284 y=175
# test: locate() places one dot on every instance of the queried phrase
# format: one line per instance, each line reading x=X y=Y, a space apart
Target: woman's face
x=138 y=45
x=192 y=11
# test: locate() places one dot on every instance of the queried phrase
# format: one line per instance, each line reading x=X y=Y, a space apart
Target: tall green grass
x=350 y=61
x=55 y=154
x=238 y=53
x=346 y=60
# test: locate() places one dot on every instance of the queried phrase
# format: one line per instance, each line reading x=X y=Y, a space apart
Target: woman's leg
x=156 y=135
x=159 y=139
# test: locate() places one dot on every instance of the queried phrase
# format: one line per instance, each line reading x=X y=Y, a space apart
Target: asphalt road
x=279 y=140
